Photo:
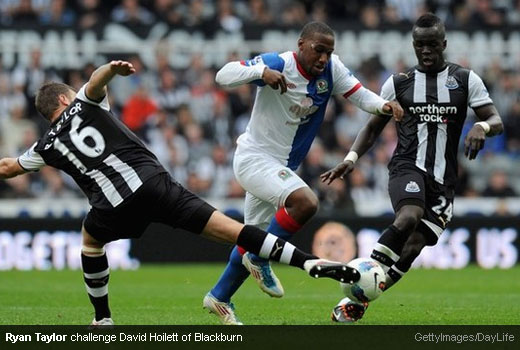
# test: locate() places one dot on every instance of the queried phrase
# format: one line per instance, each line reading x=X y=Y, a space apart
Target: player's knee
x=302 y=204
x=91 y=246
x=408 y=218
x=406 y=221
x=310 y=206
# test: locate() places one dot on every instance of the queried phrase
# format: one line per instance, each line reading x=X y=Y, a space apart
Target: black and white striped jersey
x=102 y=155
x=435 y=107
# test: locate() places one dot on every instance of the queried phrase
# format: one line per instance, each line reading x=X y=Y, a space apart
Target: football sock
x=389 y=246
x=403 y=264
x=270 y=247
x=96 y=275
x=282 y=225
x=393 y=275
x=387 y=252
x=232 y=278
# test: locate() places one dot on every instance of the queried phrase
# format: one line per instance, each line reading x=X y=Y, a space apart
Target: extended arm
x=490 y=124
x=96 y=86
x=364 y=141
x=374 y=104
x=9 y=167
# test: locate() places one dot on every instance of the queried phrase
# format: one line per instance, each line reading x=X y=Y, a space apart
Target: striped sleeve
x=31 y=160
x=388 y=89
x=477 y=93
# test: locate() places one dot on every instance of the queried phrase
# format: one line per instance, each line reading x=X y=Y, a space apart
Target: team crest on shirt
x=322 y=86
x=451 y=83
x=412 y=187
x=284 y=174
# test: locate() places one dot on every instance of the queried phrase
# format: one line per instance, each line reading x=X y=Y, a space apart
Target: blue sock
x=231 y=279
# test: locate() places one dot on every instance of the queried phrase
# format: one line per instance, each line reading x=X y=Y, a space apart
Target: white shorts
x=267 y=182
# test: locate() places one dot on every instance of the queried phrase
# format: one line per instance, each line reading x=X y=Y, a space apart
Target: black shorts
x=411 y=186
x=159 y=199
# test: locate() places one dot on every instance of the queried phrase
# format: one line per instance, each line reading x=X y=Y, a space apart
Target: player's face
x=315 y=53
x=429 y=44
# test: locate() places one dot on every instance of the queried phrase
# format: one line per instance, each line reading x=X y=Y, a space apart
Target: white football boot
x=224 y=311
x=107 y=321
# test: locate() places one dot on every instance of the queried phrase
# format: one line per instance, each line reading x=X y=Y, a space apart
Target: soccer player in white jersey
x=292 y=94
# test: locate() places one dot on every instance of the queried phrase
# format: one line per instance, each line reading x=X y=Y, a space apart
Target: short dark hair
x=429 y=20
x=315 y=27
x=47 y=97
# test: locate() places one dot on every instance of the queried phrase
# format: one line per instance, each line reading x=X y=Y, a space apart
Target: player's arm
x=96 y=88
x=346 y=84
x=372 y=103
x=265 y=69
x=9 y=167
x=489 y=124
x=365 y=139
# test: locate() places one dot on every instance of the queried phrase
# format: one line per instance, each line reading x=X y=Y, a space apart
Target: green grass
x=172 y=294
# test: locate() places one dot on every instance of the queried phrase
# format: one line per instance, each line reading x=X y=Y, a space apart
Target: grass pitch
x=172 y=295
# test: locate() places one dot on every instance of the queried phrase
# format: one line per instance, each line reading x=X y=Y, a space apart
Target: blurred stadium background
x=191 y=124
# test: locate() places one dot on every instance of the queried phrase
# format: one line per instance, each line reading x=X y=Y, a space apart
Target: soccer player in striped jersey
x=435 y=95
x=128 y=188
x=293 y=89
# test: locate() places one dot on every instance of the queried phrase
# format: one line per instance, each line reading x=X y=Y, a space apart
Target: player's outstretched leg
x=270 y=247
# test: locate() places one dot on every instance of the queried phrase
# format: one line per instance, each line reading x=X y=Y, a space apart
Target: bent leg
x=389 y=247
x=411 y=250
x=298 y=208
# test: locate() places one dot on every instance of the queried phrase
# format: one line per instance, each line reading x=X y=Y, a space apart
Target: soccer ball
x=370 y=285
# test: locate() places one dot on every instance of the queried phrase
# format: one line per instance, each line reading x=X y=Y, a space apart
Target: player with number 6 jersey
x=107 y=172
x=128 y=188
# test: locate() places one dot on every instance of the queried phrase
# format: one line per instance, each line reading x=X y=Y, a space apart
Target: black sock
x=270 y=247
x=96 y=275
x=393 y=276
x=389 y=246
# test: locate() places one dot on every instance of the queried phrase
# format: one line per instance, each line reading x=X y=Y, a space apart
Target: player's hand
x=474 y=141
x=274 y=79
x=123 y=68
x=339 y=170
x=395 y=109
